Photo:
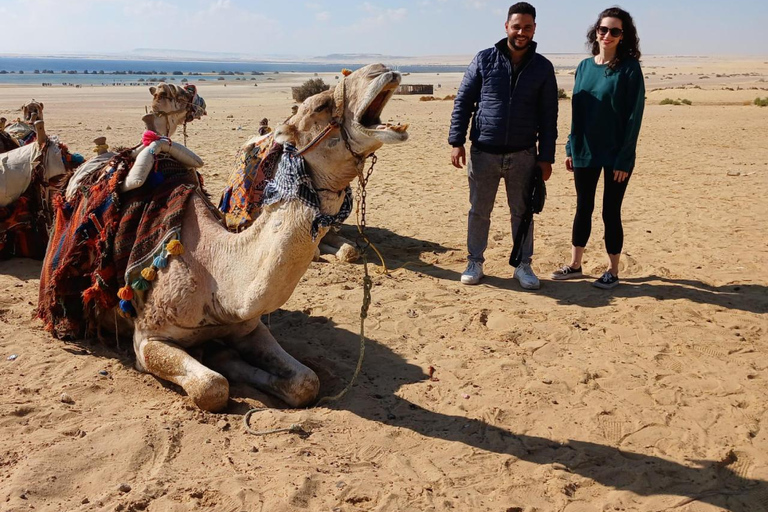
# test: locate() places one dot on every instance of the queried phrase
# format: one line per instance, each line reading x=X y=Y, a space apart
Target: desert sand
x=650 y=397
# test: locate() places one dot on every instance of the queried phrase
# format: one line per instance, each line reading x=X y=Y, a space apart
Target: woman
x=608 y=101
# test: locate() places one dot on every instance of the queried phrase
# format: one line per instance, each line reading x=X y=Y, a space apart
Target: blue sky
x=394 y=27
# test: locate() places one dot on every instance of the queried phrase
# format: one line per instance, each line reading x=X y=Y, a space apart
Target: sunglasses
x=615 y=32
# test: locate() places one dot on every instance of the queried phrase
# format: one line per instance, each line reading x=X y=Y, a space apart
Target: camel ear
x=286 y=133
x=149 y=122
x=152 y=90
x=41 y=107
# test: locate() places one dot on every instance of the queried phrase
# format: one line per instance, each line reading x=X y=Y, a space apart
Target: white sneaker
x=473 y=274
x=528 y=280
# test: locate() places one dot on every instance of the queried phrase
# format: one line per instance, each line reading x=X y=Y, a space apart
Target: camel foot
x=166 y=360
x=258 y=360
x=347 y=253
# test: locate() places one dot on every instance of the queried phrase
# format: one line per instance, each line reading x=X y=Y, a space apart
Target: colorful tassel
x=174 y=248
x=149 y=273
x=160 y=261
x=125 y=293
x=149 y=137
x=346 y=72
x=126 y=308
x=141 y=285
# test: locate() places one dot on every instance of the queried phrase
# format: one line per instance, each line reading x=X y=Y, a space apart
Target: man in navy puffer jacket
x=512 y=92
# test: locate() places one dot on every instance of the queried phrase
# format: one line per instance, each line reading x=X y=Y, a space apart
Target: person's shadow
x=407 y=251
x=332 y=353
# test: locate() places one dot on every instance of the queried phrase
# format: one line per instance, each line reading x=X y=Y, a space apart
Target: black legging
x=586 y=179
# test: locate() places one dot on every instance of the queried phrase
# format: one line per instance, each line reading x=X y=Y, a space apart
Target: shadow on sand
x=333 y=353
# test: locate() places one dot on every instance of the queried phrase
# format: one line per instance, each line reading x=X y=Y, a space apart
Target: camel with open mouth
x=224 y=282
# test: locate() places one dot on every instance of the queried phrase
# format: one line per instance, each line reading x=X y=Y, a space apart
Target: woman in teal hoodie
x=608 y=101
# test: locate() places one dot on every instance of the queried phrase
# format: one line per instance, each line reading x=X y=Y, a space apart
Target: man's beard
x=511 y=41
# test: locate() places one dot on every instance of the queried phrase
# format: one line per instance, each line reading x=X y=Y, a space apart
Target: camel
x=172 y=106
x=28 y=177
x=223 y=282
x=22 y=131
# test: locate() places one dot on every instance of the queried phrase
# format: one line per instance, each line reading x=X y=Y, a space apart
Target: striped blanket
x=101 y=238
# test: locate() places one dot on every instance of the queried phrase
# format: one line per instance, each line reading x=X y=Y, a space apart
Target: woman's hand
x=620 y=176
x=569 y=164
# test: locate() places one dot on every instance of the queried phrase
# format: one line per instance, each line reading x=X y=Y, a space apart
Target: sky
x=393 y=27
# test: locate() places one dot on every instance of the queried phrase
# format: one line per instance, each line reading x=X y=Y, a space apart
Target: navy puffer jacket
x=505 y=114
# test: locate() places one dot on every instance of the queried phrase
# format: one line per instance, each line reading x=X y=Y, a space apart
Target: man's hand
x=458 y=157
x=569 y=164
x=546 y=170
x=620 y=176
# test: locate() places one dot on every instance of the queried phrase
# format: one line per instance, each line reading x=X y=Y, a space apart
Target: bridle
x=189 y=110
x=337 y=121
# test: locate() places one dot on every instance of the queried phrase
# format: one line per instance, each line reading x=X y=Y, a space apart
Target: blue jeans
x=484 y=171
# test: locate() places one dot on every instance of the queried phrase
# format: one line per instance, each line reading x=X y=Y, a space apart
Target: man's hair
x=522 y=8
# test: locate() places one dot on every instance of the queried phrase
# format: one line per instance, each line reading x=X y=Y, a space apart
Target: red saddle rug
x=102 y=237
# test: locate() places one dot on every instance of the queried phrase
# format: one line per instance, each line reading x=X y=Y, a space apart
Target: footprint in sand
x=612 y=428
x=739 y=465
x=710 y=351
x=668 y=362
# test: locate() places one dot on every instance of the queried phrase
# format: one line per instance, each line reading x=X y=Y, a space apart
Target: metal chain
x=362 y=181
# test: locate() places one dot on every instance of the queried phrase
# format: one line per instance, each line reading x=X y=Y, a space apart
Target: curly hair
x=629 y=46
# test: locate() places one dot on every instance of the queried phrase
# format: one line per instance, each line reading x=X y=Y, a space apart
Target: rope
x=294 y=428
x=362 y=181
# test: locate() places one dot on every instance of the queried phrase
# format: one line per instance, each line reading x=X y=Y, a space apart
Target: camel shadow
x=21 y=268
x=333 y=352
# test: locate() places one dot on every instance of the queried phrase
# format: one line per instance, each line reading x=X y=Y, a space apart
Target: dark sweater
x=507 y=109
x=607 y=114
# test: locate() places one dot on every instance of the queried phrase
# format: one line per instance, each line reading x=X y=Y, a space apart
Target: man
x=512 y=92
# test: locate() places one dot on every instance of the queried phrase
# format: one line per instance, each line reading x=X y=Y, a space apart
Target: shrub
x=450 y=97
x=561 y=94
x=309 y=88
x=761 y=102
x=686 y=102
x=669 y=101
x=427 y=98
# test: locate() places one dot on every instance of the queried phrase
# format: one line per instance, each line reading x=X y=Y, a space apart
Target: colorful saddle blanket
x=102 y=240
x=255 y=166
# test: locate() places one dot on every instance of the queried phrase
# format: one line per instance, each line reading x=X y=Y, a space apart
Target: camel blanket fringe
x=101 y=237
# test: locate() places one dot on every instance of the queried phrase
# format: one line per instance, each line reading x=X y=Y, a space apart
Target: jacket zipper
x=509 y=105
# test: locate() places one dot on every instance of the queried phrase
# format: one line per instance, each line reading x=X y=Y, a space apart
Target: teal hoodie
x=607 y=114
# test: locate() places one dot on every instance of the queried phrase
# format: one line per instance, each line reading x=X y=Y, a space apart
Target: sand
x=649 y=397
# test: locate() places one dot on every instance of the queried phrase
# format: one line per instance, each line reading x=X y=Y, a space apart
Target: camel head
x=32 y=111
x=354 y=108
x=173 y=105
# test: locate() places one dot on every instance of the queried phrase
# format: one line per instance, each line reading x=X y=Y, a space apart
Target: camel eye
x=322 y=107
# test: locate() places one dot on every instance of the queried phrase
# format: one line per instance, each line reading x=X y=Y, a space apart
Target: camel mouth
x=368 y=120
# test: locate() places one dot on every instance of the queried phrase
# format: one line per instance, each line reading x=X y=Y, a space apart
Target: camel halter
x=190 y=108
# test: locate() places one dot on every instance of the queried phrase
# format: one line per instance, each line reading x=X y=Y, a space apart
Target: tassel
x=174 y=248
x=149 y=273
x=346 y=72
x=126 y=309
x=160 y=261
x=149 y=137
x=125 y=293
x=141 y=285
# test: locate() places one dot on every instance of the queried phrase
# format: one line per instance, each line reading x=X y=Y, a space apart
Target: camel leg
x=269 y=368
x=166 y=360
x=343 y=249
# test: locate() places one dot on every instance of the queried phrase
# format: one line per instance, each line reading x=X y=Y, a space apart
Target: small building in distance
x=415 y=89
